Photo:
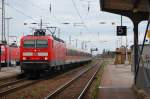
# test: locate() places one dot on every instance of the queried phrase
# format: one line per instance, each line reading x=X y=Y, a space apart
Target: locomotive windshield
x=41 y=44
x=35 y=44
x=29 y=44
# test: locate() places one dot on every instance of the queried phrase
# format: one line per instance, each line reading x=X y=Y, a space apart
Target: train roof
x=70 y=47
x=42 y=37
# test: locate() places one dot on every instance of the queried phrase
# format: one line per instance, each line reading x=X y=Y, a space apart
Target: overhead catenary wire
x=54 y=17
x=74 y=4
x=39 y=7
x=50 y=9
x=29 y=16
x=21 y=12
x=34 y=5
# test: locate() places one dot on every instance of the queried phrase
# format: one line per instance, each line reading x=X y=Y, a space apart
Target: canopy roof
x=127 y=7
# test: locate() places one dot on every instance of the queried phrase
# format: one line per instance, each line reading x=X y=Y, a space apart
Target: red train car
x=75 y=55
x=10 y=54
x=40 y=52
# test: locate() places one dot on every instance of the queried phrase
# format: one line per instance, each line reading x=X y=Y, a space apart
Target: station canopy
x=126 y=7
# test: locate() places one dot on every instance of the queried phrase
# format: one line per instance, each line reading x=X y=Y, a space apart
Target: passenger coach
x=10 y=54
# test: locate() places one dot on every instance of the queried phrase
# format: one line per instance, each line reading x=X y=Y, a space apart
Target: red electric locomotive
x=10 y=54
x=40 y=52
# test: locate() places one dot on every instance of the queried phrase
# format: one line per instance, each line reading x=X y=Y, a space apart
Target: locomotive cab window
x=41 y=44
x=29 y=44
x=35 y=44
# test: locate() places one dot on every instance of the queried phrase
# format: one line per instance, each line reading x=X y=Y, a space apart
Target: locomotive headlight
x=46 y=58
x=24 y=58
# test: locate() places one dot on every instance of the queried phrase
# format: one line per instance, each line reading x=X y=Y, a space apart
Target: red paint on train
x=10 y=54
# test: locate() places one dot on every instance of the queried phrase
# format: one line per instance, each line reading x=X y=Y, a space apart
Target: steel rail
x=7 y=78
x=11 y=90
x=10 y=83
x=88 y=84
x=61 y=88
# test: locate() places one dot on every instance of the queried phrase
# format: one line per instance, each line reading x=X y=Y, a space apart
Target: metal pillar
x=136 y=48
x=82 y=45
x=76 y=43
x=8 y=50
x=3 y=26
x=126 y=61
x=59 y=33
x=3 y=22
x=41 y=23
x=0 y=57
x=70 y=39
x=121 y=36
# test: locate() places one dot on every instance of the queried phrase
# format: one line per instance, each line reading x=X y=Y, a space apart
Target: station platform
x=117 y=83
x=9 y=71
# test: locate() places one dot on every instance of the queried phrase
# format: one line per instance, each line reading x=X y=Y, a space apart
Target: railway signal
x=121 y=30
x=94 y=49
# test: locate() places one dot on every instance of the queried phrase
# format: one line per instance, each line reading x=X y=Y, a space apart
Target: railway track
x=10 y=83
x=15 y=85
x=53 y=82
x=11 y=78
x=82 y=94
x=77 y=87
x=7 y=79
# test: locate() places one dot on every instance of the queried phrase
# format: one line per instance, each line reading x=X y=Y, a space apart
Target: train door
x=3 y=55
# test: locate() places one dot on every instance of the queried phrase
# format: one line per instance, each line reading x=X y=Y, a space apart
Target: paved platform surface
x=9 y=71
x=116 y=83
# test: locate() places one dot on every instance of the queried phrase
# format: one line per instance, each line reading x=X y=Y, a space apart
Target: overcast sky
x=102 y=36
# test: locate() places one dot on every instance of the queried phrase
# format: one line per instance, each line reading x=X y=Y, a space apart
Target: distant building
x=106 y=54
x=120 y=55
